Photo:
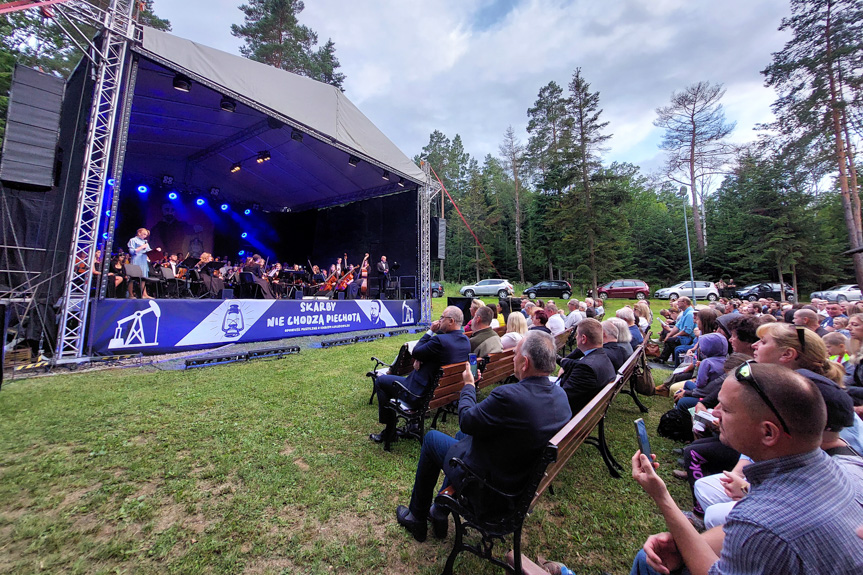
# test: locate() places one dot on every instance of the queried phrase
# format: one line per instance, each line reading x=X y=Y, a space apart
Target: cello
x=364 y=285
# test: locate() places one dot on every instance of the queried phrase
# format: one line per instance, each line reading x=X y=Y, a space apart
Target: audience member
x=540 y=319
x=474 y=305
x=444 y=343
x=574 y=316
x=683 y=332
x=587 y=369
x=776 y=417
x=483 y=339
x=808 y=319
x=500 y=438
x=628 y=315
x=516 y=327
x=555 y=321
x=616 y=352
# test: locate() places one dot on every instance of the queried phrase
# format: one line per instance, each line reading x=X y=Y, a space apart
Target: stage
x=167 y=326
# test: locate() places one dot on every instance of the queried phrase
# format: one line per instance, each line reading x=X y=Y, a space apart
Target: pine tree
x=818 y=76
x=512 y=152
x=274 y=35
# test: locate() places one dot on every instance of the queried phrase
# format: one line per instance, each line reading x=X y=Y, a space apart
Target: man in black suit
x=383 y=275
x=444 y=343
x=500 y=438
x=586 y=370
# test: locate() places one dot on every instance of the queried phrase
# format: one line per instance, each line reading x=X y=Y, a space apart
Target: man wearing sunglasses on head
x=444 y=343
x=798 y=500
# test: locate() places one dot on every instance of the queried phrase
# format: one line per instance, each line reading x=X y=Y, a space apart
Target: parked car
x=628 y=289
x=500 y=288
x=754 y=292
x=550 y=288
x=436 y=289
x=703 y=290
x=845 y=292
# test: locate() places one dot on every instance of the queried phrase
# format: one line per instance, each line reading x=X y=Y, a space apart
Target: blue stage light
x=143 y=189
x=244 y=235
x=248 y=211
x=108 y=213
x=242 y=252
x=200 y=201
x=224 y=207
x=172 y=196
x=105 y=236
x=111 y=182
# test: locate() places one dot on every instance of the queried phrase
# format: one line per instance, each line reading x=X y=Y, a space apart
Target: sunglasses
x=744 y=374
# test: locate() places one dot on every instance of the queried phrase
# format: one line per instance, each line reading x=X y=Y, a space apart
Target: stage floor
x=157 y=326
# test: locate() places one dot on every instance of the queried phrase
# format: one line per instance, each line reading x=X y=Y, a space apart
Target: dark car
x=436 y=289
x=754 y=292
x=626 y=289
x=550 y=288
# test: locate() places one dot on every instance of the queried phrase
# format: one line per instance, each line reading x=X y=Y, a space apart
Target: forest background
x=785 y=206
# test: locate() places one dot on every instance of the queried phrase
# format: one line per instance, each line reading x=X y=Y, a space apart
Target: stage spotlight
x=182 y=83
x=263 y=157
x=296 y=135
x=247 y=212
x=167 y=180
x=214 y=192
x=224 y=207
x=241 y=253
x=200 y=201
x=401 y=181
x=256 y=207
x=236 y=168
x=111 y=182
x=386 y=174
x=353 y=161
x=172 y=196
x=228 y=104
x=244 y=235
x=142 y=189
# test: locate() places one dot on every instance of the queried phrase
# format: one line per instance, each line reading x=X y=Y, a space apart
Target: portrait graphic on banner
x=176 y=228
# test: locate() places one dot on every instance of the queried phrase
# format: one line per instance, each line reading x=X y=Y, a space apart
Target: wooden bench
x=561 y=339
x=626 y=374
x=442 y=390
x=495 y=368
x=551 y=461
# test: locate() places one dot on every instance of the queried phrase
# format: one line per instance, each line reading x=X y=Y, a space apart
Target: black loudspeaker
x=438 y=239
x=463 y=303
x=227 y=293
x=341 y=295
x=298 y=294
x=514 y=303
x=32 y=129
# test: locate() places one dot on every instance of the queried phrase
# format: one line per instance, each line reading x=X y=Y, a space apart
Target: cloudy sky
x=474 y=67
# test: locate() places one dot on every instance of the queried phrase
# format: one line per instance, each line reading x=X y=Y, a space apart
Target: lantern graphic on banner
x=233 y=324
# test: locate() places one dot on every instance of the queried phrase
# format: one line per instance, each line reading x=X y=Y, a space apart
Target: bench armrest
x=404 y=389
x=379 y=363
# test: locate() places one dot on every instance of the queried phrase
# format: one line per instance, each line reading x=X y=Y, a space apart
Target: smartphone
x=471 y=359
x=641 y=435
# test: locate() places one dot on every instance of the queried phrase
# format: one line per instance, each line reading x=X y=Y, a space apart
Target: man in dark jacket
x=586 y=370
x=500 y=438
x=444 y=343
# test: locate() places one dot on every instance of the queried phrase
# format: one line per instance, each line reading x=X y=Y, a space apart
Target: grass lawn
x=265 y=467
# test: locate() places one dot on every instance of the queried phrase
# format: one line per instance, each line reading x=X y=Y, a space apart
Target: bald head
x=456 y=319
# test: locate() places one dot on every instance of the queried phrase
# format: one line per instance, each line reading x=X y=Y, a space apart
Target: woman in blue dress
x=138 y=248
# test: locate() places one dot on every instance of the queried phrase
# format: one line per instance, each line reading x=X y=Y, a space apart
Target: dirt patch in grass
x=146 y=489
x=167 y=516
x=270 y=566
x=301 y=464
x=287 y=450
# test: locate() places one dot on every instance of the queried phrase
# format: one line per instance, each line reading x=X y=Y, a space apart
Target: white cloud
x=473 y=67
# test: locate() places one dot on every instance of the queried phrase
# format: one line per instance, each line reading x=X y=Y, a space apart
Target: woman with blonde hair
x=643 y=315
x=516 y=327
x=802 y=350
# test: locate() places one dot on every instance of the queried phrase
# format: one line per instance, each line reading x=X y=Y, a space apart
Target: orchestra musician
x=210 y=275
x=255 y=267
x=138 y=248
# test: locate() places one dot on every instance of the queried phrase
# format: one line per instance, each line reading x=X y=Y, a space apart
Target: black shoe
x=417 y=528
x=382 y=437
x=677 y=451
x=681 y=463
x=440 y=521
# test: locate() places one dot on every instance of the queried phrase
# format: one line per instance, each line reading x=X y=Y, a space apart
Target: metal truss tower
x=426 y=192
x=117 y=31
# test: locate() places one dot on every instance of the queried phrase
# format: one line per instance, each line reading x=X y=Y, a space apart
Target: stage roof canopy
x=323 y=151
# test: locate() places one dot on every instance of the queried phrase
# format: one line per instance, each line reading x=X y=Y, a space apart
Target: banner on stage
x=165 y=326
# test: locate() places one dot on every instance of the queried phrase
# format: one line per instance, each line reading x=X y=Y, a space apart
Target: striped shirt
x=799 y=517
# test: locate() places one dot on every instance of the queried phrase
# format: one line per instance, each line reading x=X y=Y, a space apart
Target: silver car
x=703 y=290
x=845 y=292
x=500 y=288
